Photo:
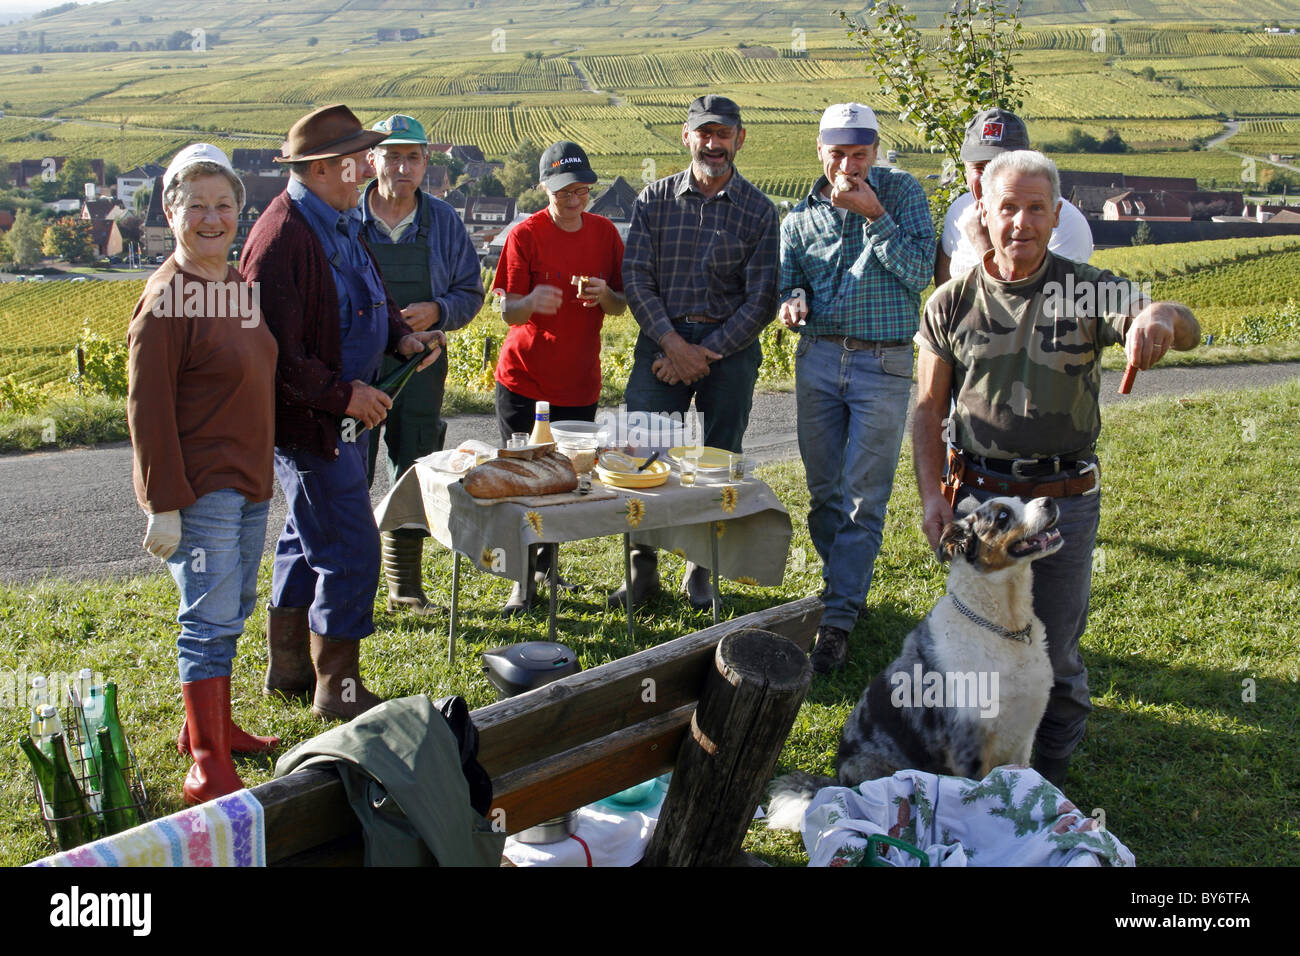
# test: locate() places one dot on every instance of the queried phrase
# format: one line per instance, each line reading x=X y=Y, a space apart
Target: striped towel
x=228 y=831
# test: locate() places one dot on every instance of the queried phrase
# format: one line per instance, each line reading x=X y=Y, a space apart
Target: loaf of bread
x=504 y=477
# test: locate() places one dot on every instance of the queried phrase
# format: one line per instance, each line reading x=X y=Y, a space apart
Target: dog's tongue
x=1036 y=542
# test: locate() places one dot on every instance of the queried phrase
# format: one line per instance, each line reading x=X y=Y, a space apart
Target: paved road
x=72 y=513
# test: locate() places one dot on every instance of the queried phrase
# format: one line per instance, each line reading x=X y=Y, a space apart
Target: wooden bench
x=582 y=738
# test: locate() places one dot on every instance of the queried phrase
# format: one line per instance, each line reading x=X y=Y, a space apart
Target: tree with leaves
x=25 y=240
x=69 y=239
x=520 y=173
x=74 y=175
x=939 y=84
x=485 y=185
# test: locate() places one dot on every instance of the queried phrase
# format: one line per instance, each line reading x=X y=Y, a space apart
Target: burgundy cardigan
x=301 y=308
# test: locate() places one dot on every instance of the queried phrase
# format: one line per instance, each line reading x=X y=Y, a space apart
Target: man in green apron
x=431 y=271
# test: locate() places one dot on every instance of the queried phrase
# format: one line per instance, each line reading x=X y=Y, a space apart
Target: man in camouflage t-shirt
x=1013 y=348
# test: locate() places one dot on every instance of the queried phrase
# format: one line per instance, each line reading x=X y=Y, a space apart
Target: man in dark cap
x=965 y=240
x=323 y=299
x=700 y=275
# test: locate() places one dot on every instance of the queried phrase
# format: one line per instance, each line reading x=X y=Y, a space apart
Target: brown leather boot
x=288 y=667
x=339 y=692
x=402 y=552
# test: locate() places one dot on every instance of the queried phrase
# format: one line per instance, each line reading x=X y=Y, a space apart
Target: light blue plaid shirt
x=861 y=279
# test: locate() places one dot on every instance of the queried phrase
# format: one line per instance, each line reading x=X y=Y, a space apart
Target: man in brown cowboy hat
x=323 y=299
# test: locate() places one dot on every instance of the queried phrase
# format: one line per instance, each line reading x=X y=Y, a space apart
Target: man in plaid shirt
x=855 y=255
x=699 y=272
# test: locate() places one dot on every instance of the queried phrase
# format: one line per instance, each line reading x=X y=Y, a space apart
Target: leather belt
x=1030 y=467
x=850 y=344
x=699 y=319
x=964 y=470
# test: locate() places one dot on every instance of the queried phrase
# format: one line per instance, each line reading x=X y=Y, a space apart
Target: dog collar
x=1020 y=635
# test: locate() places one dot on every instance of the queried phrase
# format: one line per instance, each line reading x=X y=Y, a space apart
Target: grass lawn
x=1191 y=646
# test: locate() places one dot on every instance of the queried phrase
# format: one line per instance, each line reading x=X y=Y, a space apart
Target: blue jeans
x=852 y=408
x=724 y=396
x=1062 y=586
x=327 y=557
x=215 y=568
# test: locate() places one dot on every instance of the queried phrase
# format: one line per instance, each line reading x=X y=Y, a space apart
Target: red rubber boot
x=207 y=712
x=241 y=741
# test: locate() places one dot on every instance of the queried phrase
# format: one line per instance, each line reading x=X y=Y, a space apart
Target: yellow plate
x=656 y=474
x=711 y=459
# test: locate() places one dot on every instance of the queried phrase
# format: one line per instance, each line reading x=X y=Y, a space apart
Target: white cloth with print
x=1013 y=817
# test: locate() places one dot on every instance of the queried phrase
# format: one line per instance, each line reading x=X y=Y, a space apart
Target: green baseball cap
x=401 y=129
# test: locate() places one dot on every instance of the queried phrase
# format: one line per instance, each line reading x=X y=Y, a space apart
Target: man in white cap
x=855 y=255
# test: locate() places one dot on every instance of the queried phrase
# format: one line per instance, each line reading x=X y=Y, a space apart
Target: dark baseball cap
x=564 y=164
x=712 y=109
x=991 y=133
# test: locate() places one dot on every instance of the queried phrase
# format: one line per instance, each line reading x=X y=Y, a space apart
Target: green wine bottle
x=43 y=767
x=114 y=725
x=120 y=812
x=390 y=385
x=66 y=807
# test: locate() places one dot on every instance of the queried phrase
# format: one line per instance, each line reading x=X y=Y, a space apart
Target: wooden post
x=746 y=709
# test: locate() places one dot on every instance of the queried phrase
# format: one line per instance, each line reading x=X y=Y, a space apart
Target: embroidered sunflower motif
x=728 y=498
x=635 y=512
x=485 y=559
x=748 y=582
x=535 y=520
x=719 y=528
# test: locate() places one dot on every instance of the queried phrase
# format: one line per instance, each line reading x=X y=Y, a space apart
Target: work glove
x=163 y=536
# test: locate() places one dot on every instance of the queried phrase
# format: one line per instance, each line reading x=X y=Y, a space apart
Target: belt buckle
x=1096 y=487
x=844 y=344
x=1015 y=466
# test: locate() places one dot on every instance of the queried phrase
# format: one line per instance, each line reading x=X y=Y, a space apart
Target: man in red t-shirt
x=552 y=351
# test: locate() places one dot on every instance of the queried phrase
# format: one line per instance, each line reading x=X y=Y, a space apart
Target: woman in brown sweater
x=201 y=411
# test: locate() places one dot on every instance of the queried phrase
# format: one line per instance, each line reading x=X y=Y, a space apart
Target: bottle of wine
x=390 y=385
x=120 y=812
x=53 y=736
x=43 y=767
x=541 y=425
x=114 y=725
x=66 y=808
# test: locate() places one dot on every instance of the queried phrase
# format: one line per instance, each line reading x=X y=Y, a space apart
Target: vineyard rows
x=1115 y=94
x=710 y=66
x=1182 y=258
x=53 y=313
x=1250 y=101
x=785 y=187
x=1269 y=280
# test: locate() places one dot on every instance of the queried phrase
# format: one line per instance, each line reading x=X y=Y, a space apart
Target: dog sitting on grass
x=971 y=684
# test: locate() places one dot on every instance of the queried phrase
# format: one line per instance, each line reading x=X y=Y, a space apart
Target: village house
x=133 y=180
